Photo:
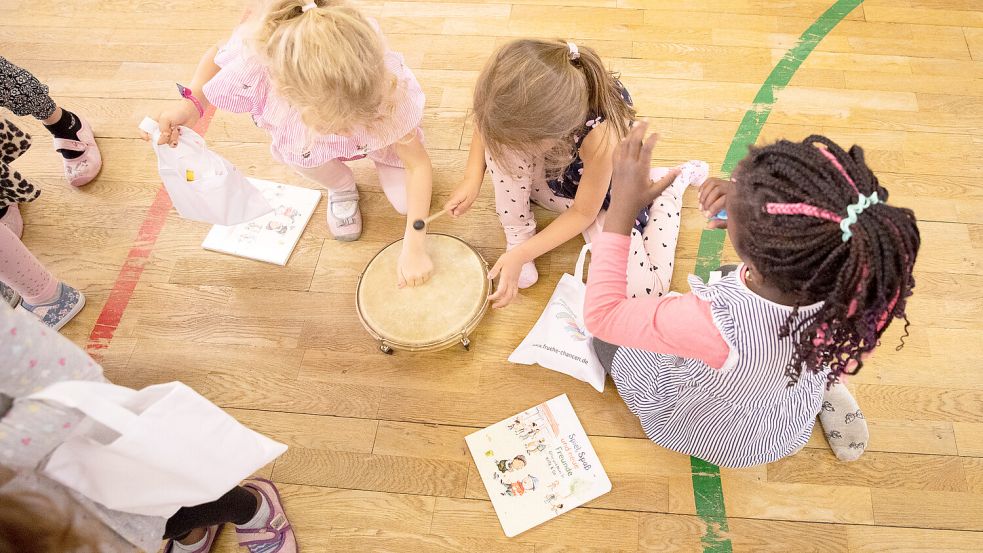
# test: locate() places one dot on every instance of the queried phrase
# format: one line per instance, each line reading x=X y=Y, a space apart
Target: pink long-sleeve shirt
x=676 y=325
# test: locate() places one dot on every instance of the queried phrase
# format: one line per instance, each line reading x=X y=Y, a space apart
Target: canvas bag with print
x=559 y=341
x=203 y=185
x=152 y=451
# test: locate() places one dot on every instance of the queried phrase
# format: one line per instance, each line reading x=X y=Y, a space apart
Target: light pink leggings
x=19 y=269
x=652 y=252
x=338 y=177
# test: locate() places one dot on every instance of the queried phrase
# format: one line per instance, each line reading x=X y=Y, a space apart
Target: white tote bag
x=167 y=447
x=559 y=341
x=203 y=185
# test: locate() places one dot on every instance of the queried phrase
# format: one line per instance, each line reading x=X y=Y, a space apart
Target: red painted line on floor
x=136 y=260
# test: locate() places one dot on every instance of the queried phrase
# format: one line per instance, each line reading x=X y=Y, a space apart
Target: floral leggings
x=652 y=249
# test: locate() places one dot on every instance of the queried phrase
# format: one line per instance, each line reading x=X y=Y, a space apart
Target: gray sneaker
x=8 y=295
x=57 y=312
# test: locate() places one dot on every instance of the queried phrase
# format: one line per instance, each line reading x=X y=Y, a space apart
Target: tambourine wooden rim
x=461 y=337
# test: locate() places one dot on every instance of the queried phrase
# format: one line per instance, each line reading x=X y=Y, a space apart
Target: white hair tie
x=308 y=6
x=574 y=51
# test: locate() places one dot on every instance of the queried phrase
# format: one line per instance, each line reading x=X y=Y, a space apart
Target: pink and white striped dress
x=243 y=85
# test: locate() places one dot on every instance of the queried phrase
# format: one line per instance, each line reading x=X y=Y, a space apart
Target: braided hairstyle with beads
x=791 y=198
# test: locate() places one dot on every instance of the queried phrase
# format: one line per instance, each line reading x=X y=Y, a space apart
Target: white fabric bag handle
x=99 y=401
x=152 y=128
x=579 y=270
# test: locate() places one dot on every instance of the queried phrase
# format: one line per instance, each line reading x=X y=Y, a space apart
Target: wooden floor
x=377 y=459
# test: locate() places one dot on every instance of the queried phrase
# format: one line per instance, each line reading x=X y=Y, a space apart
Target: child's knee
x=393 y=182
x=399 y=207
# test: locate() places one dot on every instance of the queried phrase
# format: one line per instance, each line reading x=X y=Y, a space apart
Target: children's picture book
x=272 y=237
x=537 y=465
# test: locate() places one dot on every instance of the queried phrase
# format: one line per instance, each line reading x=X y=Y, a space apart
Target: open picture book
x=272 y=237
x=537 y=465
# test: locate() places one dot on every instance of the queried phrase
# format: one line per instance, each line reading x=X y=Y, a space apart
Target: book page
x=272 y=237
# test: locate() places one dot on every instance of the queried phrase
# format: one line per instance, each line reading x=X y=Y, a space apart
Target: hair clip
x=574 y=51
x=308 y=6
x=854 y=210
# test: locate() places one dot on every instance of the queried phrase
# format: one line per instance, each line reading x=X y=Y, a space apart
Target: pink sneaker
x=277 y=536
x=210 y=534
x=344 y=216
x=13 y=220
x=81 y=170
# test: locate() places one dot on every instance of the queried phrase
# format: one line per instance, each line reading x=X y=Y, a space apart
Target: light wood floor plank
x=377 y=458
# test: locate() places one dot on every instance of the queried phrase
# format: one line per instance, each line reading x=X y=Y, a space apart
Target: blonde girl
x=318 y=77
x=548 y=115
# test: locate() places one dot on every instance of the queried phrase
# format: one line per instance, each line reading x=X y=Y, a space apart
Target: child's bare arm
x=415 y=265
x=474 y=173
x=596 y=152
x=184 y=112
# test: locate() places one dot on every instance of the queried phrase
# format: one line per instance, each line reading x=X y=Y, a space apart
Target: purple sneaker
x=56 y=313
x=277 y=536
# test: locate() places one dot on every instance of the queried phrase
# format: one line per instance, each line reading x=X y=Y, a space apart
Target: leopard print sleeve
x=14 y=188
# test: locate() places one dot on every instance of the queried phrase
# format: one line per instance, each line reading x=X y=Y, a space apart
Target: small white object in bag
x=559 y=341
x=174 y=447
x=203 y=185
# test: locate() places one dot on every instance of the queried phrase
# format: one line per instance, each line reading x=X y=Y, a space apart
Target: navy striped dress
x=741 y=415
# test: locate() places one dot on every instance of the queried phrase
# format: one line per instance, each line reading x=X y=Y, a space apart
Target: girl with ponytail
x=548 y=116
x=735 y=372
x=318 y=77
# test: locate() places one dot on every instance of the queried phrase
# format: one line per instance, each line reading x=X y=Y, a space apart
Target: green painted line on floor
x=707 y=489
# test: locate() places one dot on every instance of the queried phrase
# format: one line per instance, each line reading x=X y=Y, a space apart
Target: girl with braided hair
x=735 y=372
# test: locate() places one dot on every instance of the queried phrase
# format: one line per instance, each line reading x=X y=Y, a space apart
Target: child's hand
x=713 y=199
x=462 y=198
x=507 y=268
x=180 y=113
x=413 y=269
x=632 y=188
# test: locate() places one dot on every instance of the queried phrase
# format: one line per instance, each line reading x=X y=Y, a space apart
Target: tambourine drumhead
x=433 y=314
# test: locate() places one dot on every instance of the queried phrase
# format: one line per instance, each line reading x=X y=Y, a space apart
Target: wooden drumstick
x=420 y=224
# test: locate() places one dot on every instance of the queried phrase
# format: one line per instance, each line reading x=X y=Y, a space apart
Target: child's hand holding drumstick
x=421 y=224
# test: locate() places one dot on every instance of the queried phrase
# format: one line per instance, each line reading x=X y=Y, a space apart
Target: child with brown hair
x=548 y=115
x=318 y=77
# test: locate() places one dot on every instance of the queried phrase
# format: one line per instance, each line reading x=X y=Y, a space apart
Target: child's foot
x=204 y=545
x=269 y=531
x=59 y=310
x=843 y=424
x=9 y=296
x=692 y=173
x=528 y=275
x=76 y=143
x=344 y=216
x=13 y=220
